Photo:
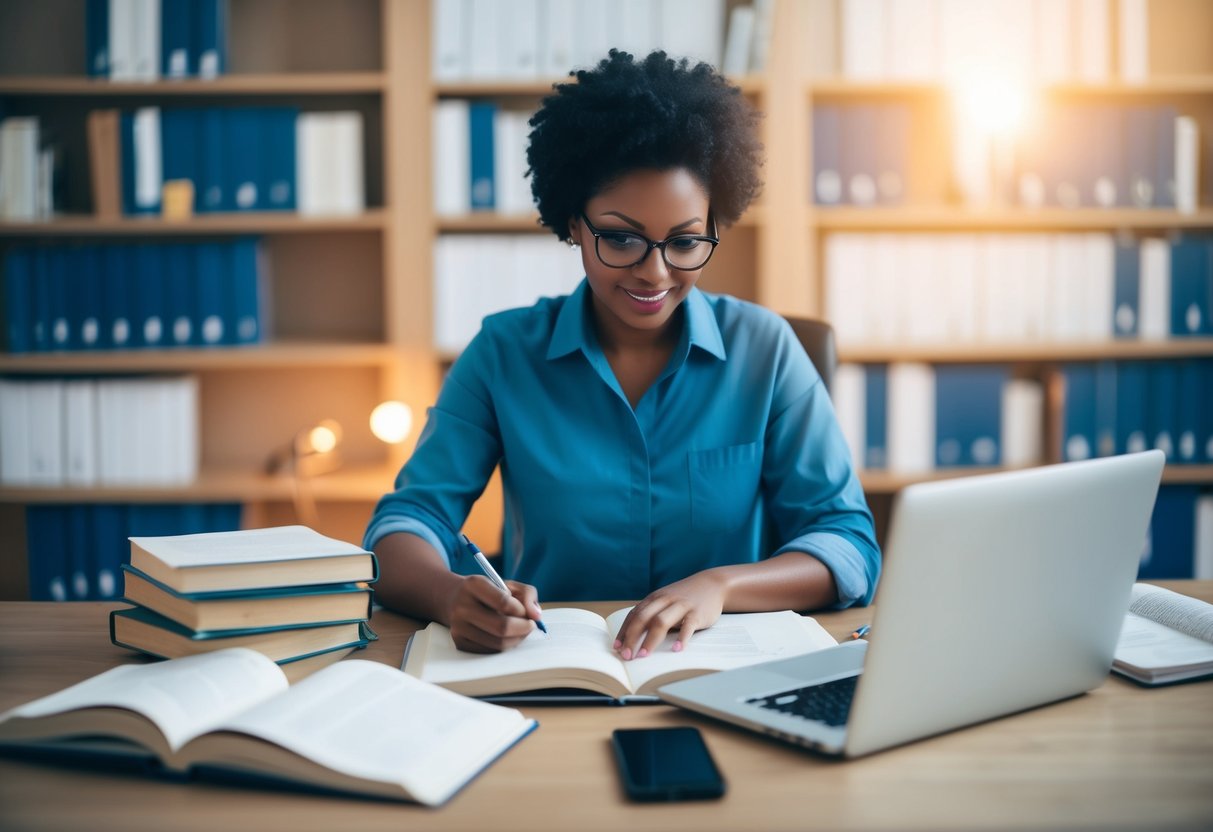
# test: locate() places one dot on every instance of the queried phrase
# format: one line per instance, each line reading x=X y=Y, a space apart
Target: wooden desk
x=1121 y=757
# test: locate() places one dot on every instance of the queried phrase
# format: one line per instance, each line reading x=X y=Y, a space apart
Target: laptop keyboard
x=827 y=702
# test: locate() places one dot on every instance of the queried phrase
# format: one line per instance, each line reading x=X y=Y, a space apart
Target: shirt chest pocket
x=724 y=486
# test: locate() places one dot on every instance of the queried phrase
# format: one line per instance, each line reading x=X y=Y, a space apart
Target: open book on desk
x=576 y=660
x=1167 y=637
x=355 y=726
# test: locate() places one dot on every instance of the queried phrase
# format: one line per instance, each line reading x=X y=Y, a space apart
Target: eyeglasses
x=624 y=249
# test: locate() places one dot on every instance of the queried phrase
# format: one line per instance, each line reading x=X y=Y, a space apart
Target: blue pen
x=488 y=570
x=862 y=631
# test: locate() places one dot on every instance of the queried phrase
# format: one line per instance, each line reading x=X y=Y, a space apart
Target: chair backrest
x=817 y=338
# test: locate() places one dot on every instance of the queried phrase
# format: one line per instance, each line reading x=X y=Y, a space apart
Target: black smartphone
x=666 y=764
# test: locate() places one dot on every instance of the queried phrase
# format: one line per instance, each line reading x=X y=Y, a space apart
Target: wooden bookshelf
x=356 y=484
x=304 y=83
x=886 y=483
x=1026 y=352
x=945 y=218
x=749 y=84
x=252 y=222
x=1194 y=84
x=490 y=222
x=259 y=356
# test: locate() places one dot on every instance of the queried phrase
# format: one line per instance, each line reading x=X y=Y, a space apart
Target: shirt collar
x=572 y=330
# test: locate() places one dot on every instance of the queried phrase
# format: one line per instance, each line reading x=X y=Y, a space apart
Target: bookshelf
x=349 y=319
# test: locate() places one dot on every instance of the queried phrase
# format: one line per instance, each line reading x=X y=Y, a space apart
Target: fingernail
x=644 y=651
x=677 y=648
x=627 y=654
x=618 y=644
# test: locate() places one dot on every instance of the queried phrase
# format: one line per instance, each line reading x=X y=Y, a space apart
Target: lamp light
x=391 y=422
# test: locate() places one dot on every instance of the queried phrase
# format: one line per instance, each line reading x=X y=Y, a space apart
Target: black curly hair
x=657 y=113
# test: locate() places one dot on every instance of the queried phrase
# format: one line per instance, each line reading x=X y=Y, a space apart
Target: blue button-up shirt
x=731 y=456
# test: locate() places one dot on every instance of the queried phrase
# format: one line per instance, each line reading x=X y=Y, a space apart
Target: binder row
x=143 y=40
x=1042 y=41
x=241 y=159
x=912 y=418
x=76 y=552
x=529 y=39
x=1179 y=543
x=1117 y=407
x=860 y=153
x=135 y=296
x=1016 y=288
x=84 y=432
x=478 y=274
x=480 y=158
x=1104 y=156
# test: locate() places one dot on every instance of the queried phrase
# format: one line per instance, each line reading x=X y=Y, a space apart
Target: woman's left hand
x=688 y=605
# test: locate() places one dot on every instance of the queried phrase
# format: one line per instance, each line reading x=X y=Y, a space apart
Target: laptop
x=1001 y=592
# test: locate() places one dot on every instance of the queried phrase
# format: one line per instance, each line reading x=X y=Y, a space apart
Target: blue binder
x=1172 y=549
x=1143 y=187
x=212 y=185
x=58 y=325
x=480 y=140
x=117 y=299
x=180 y=132
x=1079 y=413
x=210 y=36
x=242 y=142
x=18 y=299
x=97 y=38
x=110 y=547
x=245 y=291
x=210 y=301
x=46 y=551
x=1126 y=306
x=1164 y=149
x=148 y=324
x=178 y=286
x=1132 y=428
x=876 y=394
x=84 y=297
x=1190 y=410
x=81 y=566
x=1191 y=287
x=968 y=414
x=40 y=309
x=1162 y=408
x=828 y=186
x=278 y=159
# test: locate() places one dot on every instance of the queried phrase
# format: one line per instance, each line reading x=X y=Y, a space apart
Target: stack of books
x=290 y=593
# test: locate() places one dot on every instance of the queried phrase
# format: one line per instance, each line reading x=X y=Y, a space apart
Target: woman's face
x=639 y=300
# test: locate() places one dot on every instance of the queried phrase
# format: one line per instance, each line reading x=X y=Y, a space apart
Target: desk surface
x=1121 y=756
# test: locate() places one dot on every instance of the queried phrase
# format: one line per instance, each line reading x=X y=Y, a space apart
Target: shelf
x=931 y=218
x=258 y=222
x=354 y=484
x=309 y=354
x=490 y=222
x=503 y=88
x=884 y=482
x=1163 y=85
x=302 y=83
x=1010 y=352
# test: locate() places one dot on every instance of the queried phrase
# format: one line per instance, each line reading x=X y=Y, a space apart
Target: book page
x=247 y=546
x=183 y=697
x=735 y=640
x=1179 y=612
x=575 y=639
x=1150 y=645
x=369 y=721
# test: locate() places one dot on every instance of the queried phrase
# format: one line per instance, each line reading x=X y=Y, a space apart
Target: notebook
x=1000 y=593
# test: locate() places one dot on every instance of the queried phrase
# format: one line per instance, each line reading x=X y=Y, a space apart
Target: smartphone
x=666 y=764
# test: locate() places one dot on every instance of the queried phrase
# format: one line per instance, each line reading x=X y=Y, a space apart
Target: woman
x=655 y=442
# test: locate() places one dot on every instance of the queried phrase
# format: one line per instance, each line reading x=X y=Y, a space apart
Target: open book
x=577 y=654
x=356 y=726
x=1167 y=637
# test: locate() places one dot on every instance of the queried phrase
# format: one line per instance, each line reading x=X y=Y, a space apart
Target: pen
x=491 y=573
x=862 y=631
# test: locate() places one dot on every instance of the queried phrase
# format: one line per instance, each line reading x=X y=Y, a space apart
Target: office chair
x=817 y=338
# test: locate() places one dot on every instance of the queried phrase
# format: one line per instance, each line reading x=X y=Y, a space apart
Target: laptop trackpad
x=845 y=659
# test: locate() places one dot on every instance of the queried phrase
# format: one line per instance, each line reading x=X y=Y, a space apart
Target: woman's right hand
x=485 y=620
